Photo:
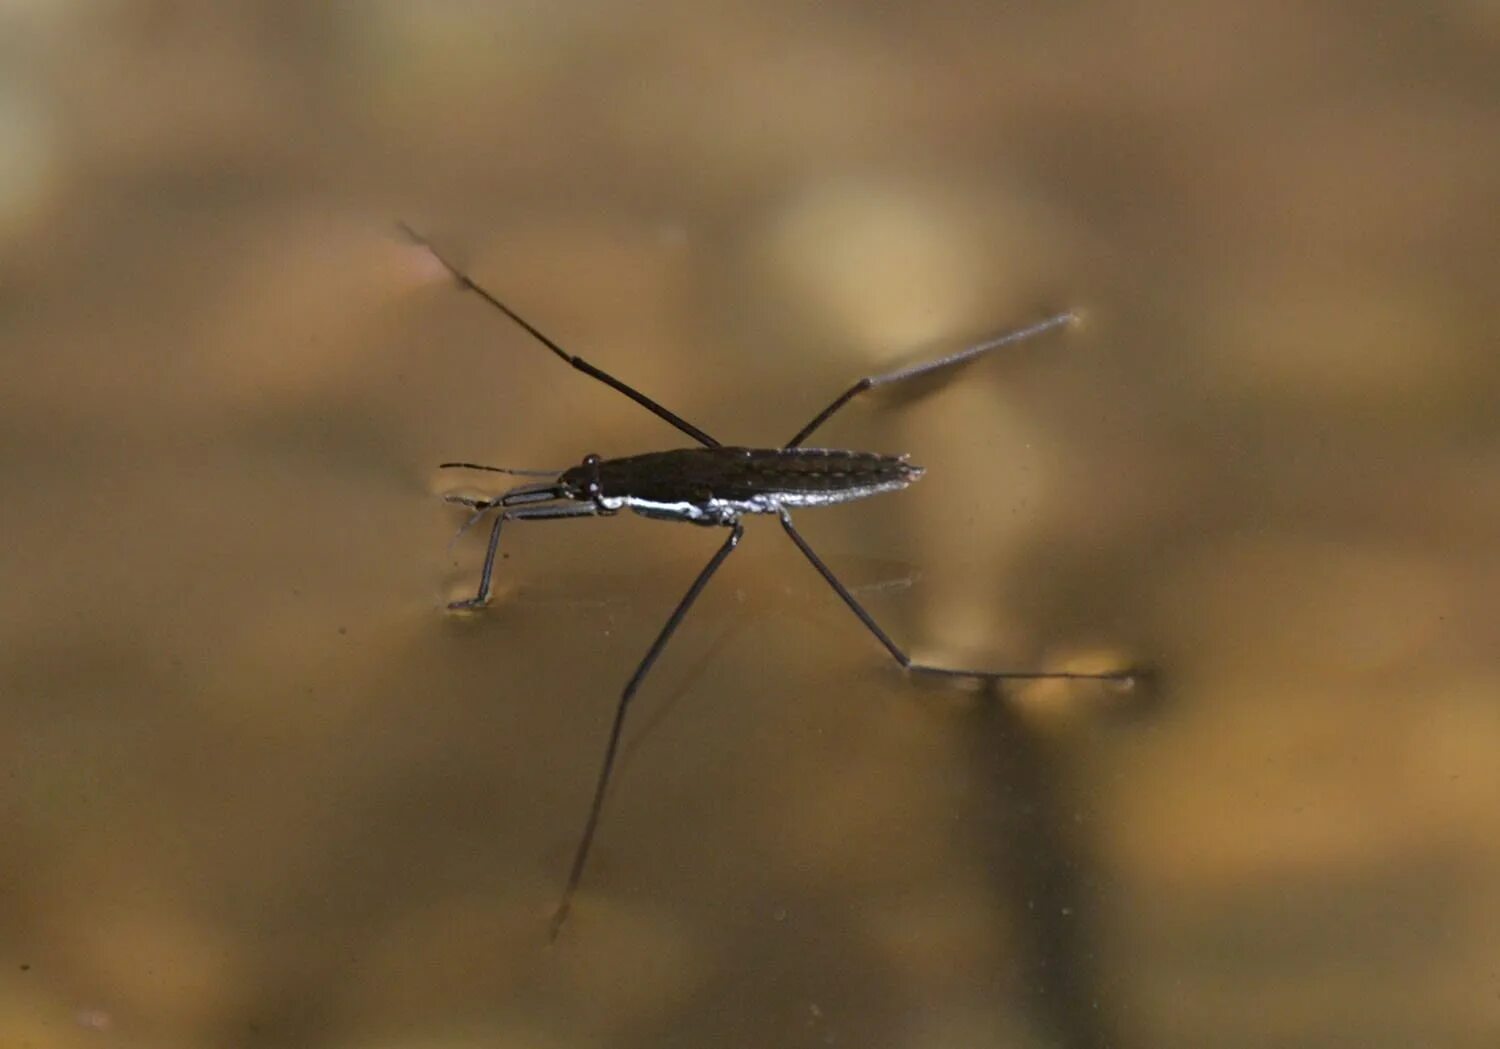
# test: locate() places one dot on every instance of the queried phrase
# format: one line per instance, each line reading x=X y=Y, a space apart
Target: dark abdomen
x=803 y=476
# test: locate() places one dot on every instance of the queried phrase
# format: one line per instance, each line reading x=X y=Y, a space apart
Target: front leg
x=520 y=513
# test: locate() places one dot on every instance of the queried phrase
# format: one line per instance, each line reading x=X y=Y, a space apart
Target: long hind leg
x=869 y=382
x=1123 y=676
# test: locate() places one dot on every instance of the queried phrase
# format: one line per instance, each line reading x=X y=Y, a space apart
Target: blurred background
x=260 y=789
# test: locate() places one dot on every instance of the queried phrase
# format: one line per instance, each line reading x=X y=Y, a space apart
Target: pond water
x=262 y=790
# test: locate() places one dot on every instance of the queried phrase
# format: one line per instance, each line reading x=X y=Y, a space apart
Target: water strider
x=714 y=485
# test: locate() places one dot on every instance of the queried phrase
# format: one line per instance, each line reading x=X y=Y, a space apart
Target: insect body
x=714 y=485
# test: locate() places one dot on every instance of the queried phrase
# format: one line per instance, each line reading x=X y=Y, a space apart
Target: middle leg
x=586 y=841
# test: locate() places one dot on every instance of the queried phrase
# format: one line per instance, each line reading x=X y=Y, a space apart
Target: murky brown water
x=259 y=790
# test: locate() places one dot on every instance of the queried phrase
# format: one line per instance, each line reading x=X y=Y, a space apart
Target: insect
x=713 y=485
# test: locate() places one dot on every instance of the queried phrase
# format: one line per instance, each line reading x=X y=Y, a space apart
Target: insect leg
x=580 y=858
x=1124 y=676
x=533 y=513
x=912 y=371
x=577 y=362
